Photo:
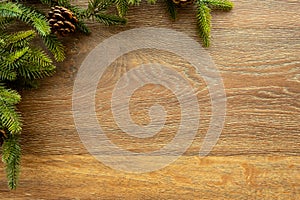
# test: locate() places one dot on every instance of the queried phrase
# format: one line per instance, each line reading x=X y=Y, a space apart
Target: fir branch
x=104 y=5
x=8 y=9
x=9 y=117
x=13 y=60
x=224 y=5
x=48 y=2
x=55 y=47
x=152 y=1
x=6 y=73
x=82 y=27
x=108 y=19
x=37 y=20
x=4 y=21
x=27 y=15
x=171 y=9
x=38 y=65
x=64 y=3
x=11 y=156
x=98 y=6
x=18 y=60
x=203 y=19
x=9 y=96
x=134 y=2
x=122 y=7
x=19 y=39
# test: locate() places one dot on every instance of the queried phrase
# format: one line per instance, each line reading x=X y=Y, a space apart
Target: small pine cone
x=183 y=2
x=62 y=20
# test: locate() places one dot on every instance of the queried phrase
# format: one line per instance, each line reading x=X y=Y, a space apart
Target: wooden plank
x=256 y=47
x=229 y=177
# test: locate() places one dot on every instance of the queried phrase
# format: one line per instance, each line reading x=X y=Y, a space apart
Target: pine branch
x=55 y=47
x=105 y=4
x=40 y=58
x=224 y=5
x=8 y=96
x=82 y=27
x=9 y=117
x=11 y=156
x=37 y=20
x=98 y=6
x=13 y=60
x=18 y=39
x=27 y=15
x=49 y=2
x=20 y=63
x=93 y=7
x=171 y=9
x=18 y=60
x=64 y=3
x=8 y=9
x=4 y=21
x=6 y=73
x=38 y=65
x=122 y=7
x=109 y=19
x=152 y=1
x=134 y=2
x=203 y=18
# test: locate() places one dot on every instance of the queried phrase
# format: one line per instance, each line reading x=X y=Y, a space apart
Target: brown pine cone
x=62 y=20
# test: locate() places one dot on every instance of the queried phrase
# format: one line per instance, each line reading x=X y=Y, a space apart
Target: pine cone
x=62 y=20
x=183 y=2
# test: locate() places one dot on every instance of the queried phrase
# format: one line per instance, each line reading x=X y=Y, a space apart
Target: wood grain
x=256 y=47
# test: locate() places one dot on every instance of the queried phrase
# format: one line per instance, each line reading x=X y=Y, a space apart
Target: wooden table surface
x=256 y=48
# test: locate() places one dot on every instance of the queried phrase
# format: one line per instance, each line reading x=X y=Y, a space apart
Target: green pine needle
x=11 y=156
x=7 y=74
x=203 y=13
x=25 y=14
x=224 y=5
x=55 y=47
x=171 y=9
x=134 y=2
x=20 y=60
x=203 y=19
x=82 y=27
x=108 y=19
x=9 y=117
x=19 y=39
x=12 y=60
x=38 y=65
x=152 y=1
x=122 y=7
x=4 y=21
x=49 y=2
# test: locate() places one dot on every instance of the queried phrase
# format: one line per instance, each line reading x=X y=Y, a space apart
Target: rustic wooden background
x=256 y=47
